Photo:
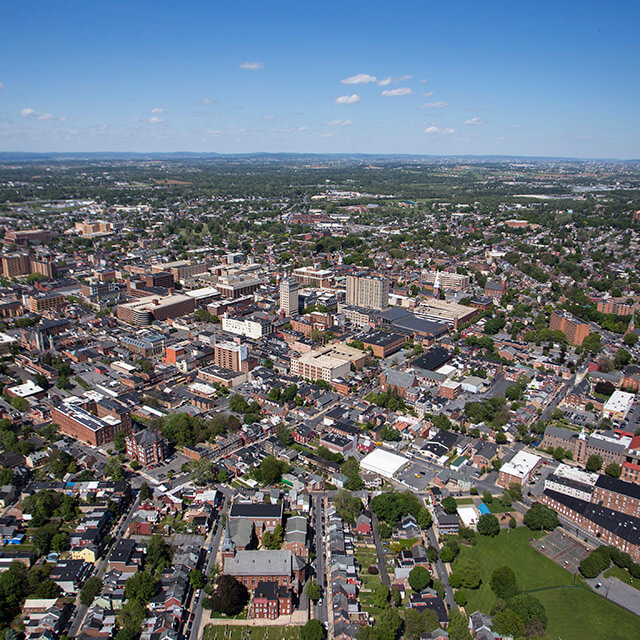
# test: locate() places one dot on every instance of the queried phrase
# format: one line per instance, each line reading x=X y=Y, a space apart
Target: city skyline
x=417 y=79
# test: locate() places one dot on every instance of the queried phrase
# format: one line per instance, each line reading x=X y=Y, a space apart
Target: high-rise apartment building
x=575 y=329
x=368 y=292
x=289 y=297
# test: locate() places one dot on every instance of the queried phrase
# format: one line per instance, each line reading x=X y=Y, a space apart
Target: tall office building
x=289 y=297
x=368 y=292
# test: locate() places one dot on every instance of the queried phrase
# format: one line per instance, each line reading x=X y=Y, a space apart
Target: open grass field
x=572 y=612
x=253 y=633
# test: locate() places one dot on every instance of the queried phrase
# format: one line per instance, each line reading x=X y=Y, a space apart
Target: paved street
x=382 y=565
x=320 y=610
x=212 y=544
x=442 y=570
x=116 y=534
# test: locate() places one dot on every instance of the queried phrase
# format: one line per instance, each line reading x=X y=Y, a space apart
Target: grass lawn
x=255 y=633
x=496 y=507
x=570 y=611
x=464 y=500
x=623 y=575
x=579 y=614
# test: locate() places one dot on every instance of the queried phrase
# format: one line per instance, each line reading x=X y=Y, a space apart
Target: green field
x=574 y=613
x=255 y=633
x=464 y=500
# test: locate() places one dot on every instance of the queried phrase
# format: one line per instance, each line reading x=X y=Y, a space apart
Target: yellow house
x=88 y=554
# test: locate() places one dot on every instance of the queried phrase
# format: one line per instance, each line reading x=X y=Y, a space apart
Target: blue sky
x=432 y=77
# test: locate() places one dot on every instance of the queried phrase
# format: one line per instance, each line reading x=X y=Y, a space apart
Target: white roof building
x=618 y=405
x=519 y=468
x=382 y=462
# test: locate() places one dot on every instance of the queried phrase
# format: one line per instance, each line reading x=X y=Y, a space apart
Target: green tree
x=509 y=623
x=229 y=596
x=488 y=525
x=449 y=505
x=270 y=470
x=197 y=579
x=313 y=590
x=114 y=469
x=613 y=470
x=630 y=339
x=312 y=630
x=145 y=492
x=466 y=573
x=380 y=595
x=594 y=463
x=348 y=507
x=417 y=622
x=273 y=539
x=119 y=443
x=458 y=628
x=90 y=589
x=158 y=554
x=141 y=586
x=529 y=609
x=419 y=578
x=503 y=582
x=541 y=517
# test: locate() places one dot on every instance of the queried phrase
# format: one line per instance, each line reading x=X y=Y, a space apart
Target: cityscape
x=319 y=322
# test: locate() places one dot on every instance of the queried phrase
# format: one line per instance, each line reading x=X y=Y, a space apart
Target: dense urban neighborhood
x=264 y=397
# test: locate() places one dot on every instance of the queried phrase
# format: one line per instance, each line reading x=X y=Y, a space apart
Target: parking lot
x=562 y=549
x=419 y=483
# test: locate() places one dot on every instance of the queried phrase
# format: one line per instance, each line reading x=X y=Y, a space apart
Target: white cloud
x=360 y=78
x=33 y=114
x=155 y=120
x=157 y=110
x=400 y=91
x=405 y=77
x=326 y=135
x=339 y=123
x=252 y=66
x=206 y=100
x=427 y=94
x=433 y=129
x=474 y=120
x=2 y=87
x=268 y=118
x=212 y=132
x=385 y=81
x=441 y=104
x=352 y=99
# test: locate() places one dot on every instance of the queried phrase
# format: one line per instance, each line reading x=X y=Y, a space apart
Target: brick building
x=271 y=600
x=147 y=447
x=78 y=423
x=573 y=328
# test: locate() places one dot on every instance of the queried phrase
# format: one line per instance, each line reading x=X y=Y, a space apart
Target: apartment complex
x=289 y=297
x=617 y=306
x=448 y=281
x=16 y=264
x=310 y=277
x=230 y=355
x=93 y=229
x=181 y=269
x=574 y=329
x=327 y=363
x=367 y=292
x=39 y=302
